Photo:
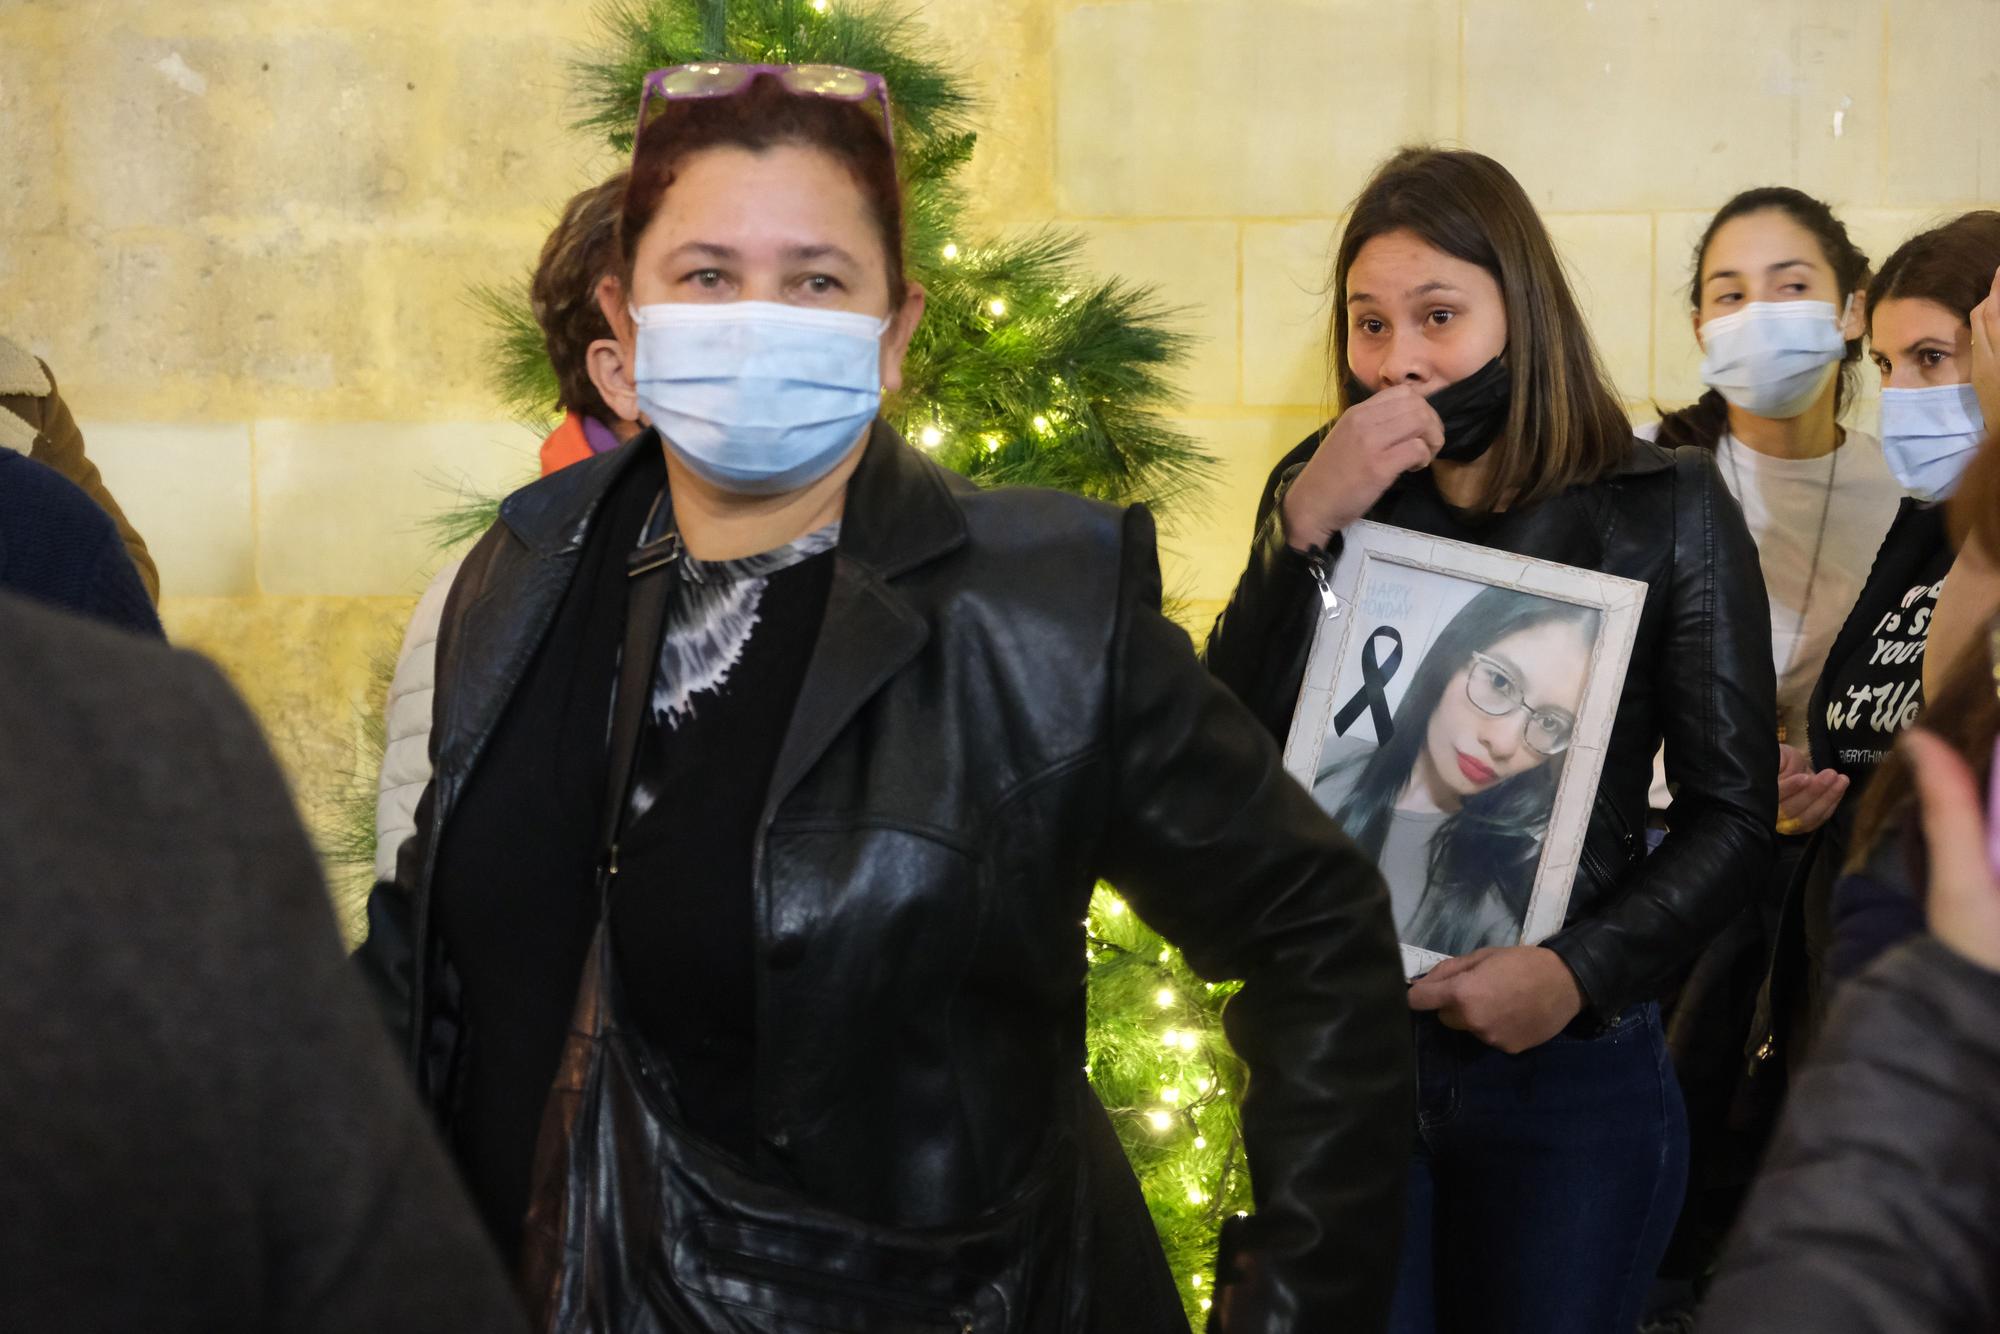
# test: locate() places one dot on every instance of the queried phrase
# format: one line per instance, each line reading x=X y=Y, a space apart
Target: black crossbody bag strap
x=648 y=571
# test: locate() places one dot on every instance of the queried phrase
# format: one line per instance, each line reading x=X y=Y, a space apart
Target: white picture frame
x=1472 y=778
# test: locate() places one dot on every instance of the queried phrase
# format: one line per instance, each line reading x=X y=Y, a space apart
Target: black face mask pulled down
x=1473 y=410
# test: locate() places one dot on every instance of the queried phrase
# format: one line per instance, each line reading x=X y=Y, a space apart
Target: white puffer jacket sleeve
x=406 y=756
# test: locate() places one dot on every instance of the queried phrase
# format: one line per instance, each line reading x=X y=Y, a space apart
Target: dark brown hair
x=563 y=293
x=1952 y=265
x=1702 y=422
x=1565 y=426
x=762 y=117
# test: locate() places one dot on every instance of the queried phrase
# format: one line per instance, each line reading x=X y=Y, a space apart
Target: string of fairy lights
x=1186 y=1078
x=937 y=432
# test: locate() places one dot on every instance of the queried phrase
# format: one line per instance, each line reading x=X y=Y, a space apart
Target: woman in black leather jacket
x=896 y=729
x=1552 y=1138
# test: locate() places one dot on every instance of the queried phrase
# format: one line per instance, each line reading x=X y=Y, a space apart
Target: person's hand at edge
x=1963 y=903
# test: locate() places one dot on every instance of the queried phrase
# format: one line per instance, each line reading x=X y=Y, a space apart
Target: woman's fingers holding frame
x=1451 y=967
x=1512 y=997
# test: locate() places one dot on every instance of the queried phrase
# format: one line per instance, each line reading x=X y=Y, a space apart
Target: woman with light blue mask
x=1936 y=399
x=1775 y=299
x=740 y=944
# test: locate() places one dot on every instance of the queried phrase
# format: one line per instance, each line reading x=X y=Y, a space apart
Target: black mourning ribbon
x=1373 y=695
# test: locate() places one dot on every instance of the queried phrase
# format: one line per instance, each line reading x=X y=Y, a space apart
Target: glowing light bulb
x=1201 y=1141
x=993 y=443
x=951 y=251
x=1160 y=1120
x=1041 y=423
x=1203 y=1085
x=932 y=437
x=1194 y=1280
x=1189 y=1042
x=1165 y=998
x=1172 y=1037
x=1117 y=907
x=1170 y=1095
x=1166 y=955
x=997 y=306
x=819 y=6
x=1195 y=1196
x=1206 y=1303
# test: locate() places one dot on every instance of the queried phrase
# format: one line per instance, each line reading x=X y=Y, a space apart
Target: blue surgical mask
x=1773 y=358
x=755 y=397
x=1929 y=437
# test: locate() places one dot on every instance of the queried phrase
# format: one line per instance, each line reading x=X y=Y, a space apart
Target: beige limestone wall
x=242 y=230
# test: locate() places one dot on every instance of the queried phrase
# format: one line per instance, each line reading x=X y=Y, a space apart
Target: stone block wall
x=242 y=231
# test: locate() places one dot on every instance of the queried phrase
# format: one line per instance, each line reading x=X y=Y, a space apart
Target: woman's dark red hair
x=761 y=117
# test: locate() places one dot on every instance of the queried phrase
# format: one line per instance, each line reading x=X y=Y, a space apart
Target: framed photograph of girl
x=1456 y=708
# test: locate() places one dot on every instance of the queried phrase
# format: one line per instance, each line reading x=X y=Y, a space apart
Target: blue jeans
x=1544 y=1186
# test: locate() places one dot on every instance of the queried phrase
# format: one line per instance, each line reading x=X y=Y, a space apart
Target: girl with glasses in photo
x=1455 y=805
x=772 y=1016
x=1552 y=1141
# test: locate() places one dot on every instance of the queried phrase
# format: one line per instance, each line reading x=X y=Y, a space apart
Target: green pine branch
x=522 y=375
x=639 y=36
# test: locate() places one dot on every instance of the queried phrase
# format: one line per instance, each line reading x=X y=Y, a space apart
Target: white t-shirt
x=1782 y=502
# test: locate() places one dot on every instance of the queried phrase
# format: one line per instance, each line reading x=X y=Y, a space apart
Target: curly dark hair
x=563 y=293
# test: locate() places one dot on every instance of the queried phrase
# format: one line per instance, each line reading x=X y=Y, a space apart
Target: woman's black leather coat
x=996 y=714
x=1701 y=677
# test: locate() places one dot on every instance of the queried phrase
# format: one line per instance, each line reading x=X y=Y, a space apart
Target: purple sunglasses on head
x=681 y=83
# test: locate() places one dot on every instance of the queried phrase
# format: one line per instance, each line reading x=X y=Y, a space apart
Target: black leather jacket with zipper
x=996 y=714
x=1700 y=677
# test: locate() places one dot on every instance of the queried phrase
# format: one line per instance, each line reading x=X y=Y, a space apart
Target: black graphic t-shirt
x=1872 y=687
x=737 y=640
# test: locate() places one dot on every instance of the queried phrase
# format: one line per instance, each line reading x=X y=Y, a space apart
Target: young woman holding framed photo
x=1552 y=1140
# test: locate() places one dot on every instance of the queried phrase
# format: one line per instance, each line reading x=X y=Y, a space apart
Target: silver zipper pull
x=1322 y=575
